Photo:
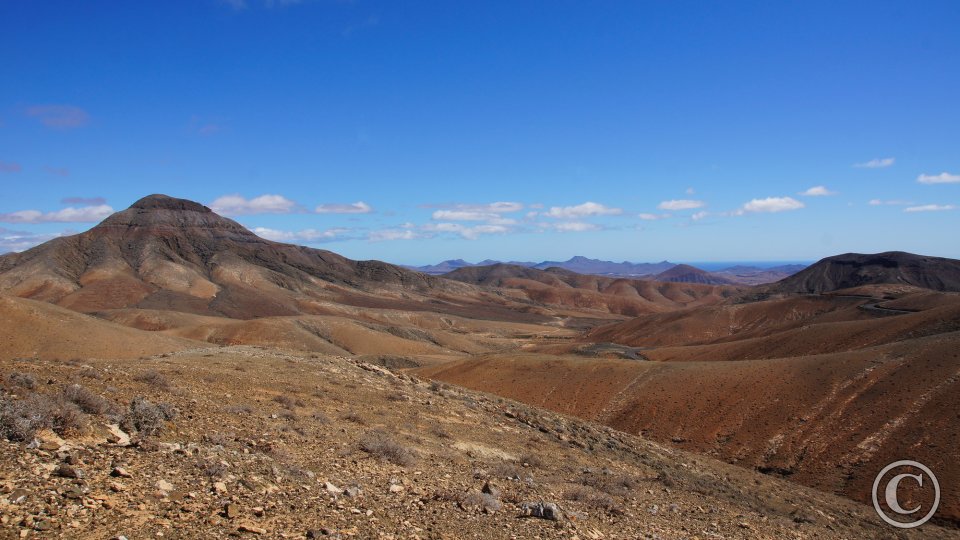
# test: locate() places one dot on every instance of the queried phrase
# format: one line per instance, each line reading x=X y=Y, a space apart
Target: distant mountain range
x=660 y=271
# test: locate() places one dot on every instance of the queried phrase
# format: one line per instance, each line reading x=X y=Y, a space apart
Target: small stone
x=231 y=510
x=73 y=492
x=120 y=472
x=18 y=496
x=352 y=492
x=396 y=488
x=491 y=489
x=251 y=529
x=220 y=487
x=68 y=471
x=117 y=436
x=332 y=489
x=163 y=485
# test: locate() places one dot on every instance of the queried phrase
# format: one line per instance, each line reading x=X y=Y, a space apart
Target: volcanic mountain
x=856 y=269
x=684 y=273
x=557 y=286
x=175 y=254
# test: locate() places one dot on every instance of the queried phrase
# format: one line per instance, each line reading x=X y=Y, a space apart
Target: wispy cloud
x=878 y=163
x=384 y=235
x=468 y=232
x=21 y=240
x=82 y=214
x=681 y=204
x=817 y=191
x=652 y=217
x=237 y=205
x=570 y=226
x=770 y=205
x=878 y=202
x=930 y=208
x=699 y=215
x=10 y=167
x=57 y=171
x=358 y=207
x=942 y=178
x=310 y=236
x=582 y=210
x=59 y=116
x=88 y=201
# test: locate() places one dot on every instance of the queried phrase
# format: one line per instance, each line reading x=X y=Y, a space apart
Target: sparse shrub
x=88 y=402
x=353 y=417
x=23 y=380
x=240 y=409
x=288 y=402
x=531 y=460
x=20 y=420
x=592 y=499
x=320 y=418
x=88 y=372
x=289 y=415
x=397 y=396
x=154 y=378
x=437 y=386
x=475 y=500
x=213 y=469
x=440 y=432
x=146 y=418
x=379 y=444
x=607 y=482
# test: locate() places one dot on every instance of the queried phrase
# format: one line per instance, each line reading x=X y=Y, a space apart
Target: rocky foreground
x=249 y=442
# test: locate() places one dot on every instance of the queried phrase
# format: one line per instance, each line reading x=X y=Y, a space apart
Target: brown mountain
x=620 y=296
x=175 y=254
x=684 y=273
x=856 y=269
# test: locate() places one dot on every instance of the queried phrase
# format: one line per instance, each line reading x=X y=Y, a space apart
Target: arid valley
x=169 y=373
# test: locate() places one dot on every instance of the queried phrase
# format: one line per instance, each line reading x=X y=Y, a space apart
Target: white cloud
x=817 y=191
x=358 y=207
x=878 y=163
x=306 y=235
x=690 y=191
x=930 y=208
x=699 y=215
x=82 y=214
x=20 y=240
x=878 y=202
x=652 y=217
x=771 y=204
x=681 y=204
x=236 y=205
x=942 y=178
x=470 y=233
x=573 y=226
x=59 y=116
x=582 y=210
x=464 y=215
x=392 y=234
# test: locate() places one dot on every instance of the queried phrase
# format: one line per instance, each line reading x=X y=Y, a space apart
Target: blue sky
x=419 y=131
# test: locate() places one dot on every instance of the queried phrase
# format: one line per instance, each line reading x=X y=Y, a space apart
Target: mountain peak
x=165 y=202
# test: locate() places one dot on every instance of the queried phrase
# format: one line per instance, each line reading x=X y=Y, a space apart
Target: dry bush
x=475 y=500
x=379 y=444
x=613 y=484
x=154 y=378
x=440 y=432
x=353 y=417
x=531 y=460
x=88 y=402
x=23 y=380
x=592 y=499
x=146 y=418
x=320 y=418
x=20 y=420
x=88 y=372
x=288 y=402
x=239 y=409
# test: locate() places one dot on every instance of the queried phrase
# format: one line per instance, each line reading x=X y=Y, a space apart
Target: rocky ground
x=251 y=442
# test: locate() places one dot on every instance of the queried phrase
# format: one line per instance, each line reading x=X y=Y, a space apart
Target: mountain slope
x=856 y=269
x=684 y=273
x=166 y=253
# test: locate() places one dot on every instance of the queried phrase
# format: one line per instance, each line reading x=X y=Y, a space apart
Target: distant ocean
x=715 y=266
